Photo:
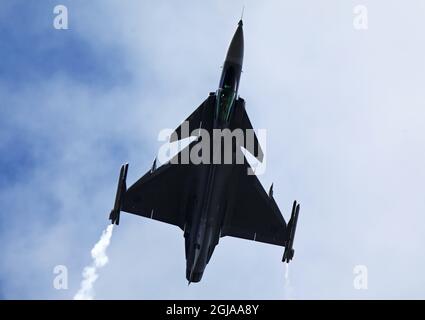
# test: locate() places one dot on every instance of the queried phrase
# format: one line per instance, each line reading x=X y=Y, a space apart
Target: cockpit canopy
x=226 y=95
x=224 y=104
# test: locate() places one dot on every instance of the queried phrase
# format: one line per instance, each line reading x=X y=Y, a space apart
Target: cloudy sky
x=344 y=111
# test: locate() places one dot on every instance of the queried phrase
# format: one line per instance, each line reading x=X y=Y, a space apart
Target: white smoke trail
x=100 y=259
x=287 y=271
x=288 y=290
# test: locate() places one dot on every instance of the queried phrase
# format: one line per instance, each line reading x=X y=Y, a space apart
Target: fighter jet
x=208 y=201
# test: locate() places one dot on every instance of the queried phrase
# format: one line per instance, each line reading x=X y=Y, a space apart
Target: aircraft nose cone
x=235 y=51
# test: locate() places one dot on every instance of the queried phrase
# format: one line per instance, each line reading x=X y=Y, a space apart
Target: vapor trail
x=287 y=271
x=100 y=259
x=288 y=290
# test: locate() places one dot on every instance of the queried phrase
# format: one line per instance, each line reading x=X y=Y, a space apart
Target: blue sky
x=343 y=109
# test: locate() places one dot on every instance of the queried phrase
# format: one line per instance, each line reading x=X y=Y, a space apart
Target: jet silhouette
x=211 y=200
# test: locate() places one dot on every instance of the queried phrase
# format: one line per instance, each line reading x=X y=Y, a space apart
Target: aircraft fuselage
x=215 y=180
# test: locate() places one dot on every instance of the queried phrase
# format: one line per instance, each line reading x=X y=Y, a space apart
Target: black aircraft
x=208 y=200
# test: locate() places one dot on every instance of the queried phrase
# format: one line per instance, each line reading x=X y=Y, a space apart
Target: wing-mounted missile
x=271 y=191
x=291 y=228
x=114 y=216
x=153 y=165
